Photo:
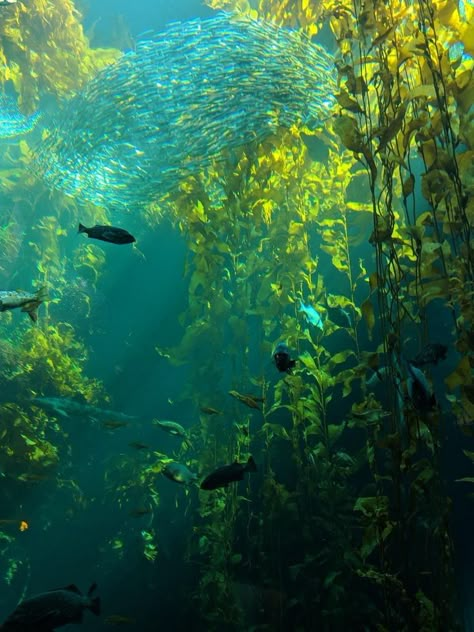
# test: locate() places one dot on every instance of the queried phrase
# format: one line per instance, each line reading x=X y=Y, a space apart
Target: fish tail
x=251 y=466
x=94 y=605
x=42 y=294
x=82 y=228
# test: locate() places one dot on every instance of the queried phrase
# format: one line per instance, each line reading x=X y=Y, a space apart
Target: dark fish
x=248 y=400
x=208 y=410
x=108 y=233
x=113 y=425
x=431 y=354
x=53 y=609
x=138 y=445
x=419 y=391
x=228 y=474
x=282 y=359
x=179 y=473
x=29 y=303
x=139 y=512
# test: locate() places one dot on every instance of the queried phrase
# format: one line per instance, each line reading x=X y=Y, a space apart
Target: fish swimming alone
x=282 y=359
x=66 y=407
x=50 y=610
x=311 y=315
x=179 y=473
x=29 y=302
x=431 y=354
x=228 y=474
x=111 y=234
x=419 y=391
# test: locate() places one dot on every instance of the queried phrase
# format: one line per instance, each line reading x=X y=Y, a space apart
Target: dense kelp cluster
x=368 y=221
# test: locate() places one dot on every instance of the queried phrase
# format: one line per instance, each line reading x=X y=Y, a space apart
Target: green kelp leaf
x=308 y=361
x=369 y=315
x=341 y=357
x=372 y=505
x=276 y=430
x=469 y=454
x=334 y=432
x=466 y=479
x=313 y=429
x=461 y=374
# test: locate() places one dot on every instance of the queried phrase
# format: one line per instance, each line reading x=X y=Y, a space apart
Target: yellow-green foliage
x=54 y=360
x=43 y=49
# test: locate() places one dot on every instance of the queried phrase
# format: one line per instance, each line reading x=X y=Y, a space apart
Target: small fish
x=179 y=473
x=208 y=410
x=431 y=354
x=29 y=303
x=311 y=315
x=138 y=445
x=171 y=427
x=53 y=609
x=281 y=356
x=113 y=425
x=108 y=233
x=228 y=474
x=248 y=400
x=139 y=512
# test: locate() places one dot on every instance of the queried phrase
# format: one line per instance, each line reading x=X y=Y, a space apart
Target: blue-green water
x=92 y=517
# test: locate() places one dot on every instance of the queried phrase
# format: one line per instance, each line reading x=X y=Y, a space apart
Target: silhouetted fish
x=228 y=474
x=53 y=609
x=110 y=234
x=281 y=356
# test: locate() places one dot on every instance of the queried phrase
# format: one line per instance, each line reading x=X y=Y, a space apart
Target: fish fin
x=32 y=313
x=42 y=294
x=94 y=606
x=251 y=465
x=92 y=589
x=72 y=588
x=82 y=228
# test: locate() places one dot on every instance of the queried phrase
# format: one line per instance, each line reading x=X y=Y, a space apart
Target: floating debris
x=166 y=110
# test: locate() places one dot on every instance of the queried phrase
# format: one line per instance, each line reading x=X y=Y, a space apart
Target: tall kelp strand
x=166 y=110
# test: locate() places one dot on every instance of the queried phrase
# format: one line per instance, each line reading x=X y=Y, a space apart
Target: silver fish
x=66 y=407
x=29 y=303
x=179 y=473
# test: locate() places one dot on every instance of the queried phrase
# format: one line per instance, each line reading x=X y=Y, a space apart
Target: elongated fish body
x=66 y=407
x=179 y=473
x=28 y=302
x=53 y=609
x=228 y=474
x=172 y=428
x=110 y=234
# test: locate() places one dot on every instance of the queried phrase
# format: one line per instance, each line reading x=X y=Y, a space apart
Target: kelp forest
x=364 y=219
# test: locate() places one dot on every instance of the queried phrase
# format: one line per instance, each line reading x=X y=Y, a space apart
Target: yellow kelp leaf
x=466 y=169
x=341 y=357
x=360 y=206
x=408 y=186
x=374 y=281
x=427 y=91
x=369 y=315
x=308 y=361
x=348 y=131
x=295 y=228
x=460 y=376
x=436 y=184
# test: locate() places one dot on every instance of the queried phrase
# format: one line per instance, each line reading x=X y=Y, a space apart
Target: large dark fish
x=228 y=474
x=419 y=391
x=29 y=303
x=51 y=610
x=431 y=354
x=282 y=359
x=111 y=234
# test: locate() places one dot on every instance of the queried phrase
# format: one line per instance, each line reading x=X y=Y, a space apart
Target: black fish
x=108 y=233
x=419 y=391
x=281 y=355
x=228 y=474
x=431 y=354
x=53 y=609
